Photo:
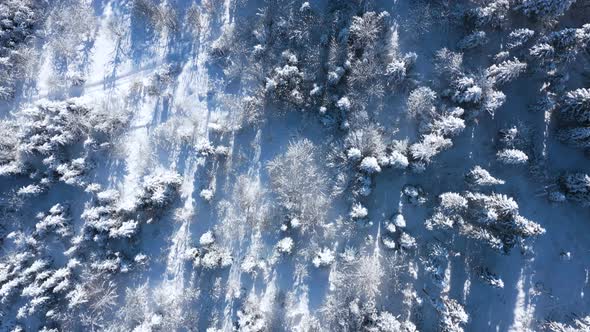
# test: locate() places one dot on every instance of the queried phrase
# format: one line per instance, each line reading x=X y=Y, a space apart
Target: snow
x=225 y=252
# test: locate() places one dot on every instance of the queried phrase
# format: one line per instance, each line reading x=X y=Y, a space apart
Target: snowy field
x=291 y=165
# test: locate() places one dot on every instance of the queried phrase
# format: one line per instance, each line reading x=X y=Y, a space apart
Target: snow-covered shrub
x=490 y=278
x=370 y=165
x=74 y=172
x=452 y=202
x=324 y=257
x=493 y=219
x=398 y=221
x=407 y=241
x=415 y=194
x=158 y=189
x=398 y=160
x=512 y=157
x=448 y=64
x=300 y=183
x=216 y=257
x=207 y=239
x=344 y=104
x=466 y=91
x=206 y=194
x=478 y=176
x=285 y=245
x=31 y=190
x=358 y=211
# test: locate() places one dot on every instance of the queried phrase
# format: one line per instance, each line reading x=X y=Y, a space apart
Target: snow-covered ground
x=187 y=78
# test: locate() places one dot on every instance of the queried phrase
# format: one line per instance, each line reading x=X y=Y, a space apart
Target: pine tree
x=519 y=37
x=576 y=187
x=512 y=157
x=481 y=177
x=576 y=105
x=578 y=136
x=473 y=40
x=545 y=8
x=505 y=71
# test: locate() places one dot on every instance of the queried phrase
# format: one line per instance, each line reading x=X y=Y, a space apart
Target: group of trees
x=345 y=65
x=493 y=219
x=17 y=23
x=41 y=138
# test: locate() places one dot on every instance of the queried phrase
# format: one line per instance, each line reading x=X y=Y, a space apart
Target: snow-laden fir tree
x=576 y=187
x=576 y=105
x=494 y=14
x=478 y=176
x=512 y=157
x=506 y=71
x=545 y=8
x=473 y=40
x=452 y=315
x=56 y=220
x=429 y=146
x=580 y=324
x=365 y=30
x=519 y=37
x=578 y=136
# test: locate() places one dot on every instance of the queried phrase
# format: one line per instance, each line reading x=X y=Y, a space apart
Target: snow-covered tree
x=494 y=14
x=576 y=187
x=493 y=219
x=473 y=40
x=506 y=71
x=580 y=324
x=519 y=37
x=512 y=157
x=578 y=136
x=56 y=220
x=561 y=47
x=299 y=183
x=429 y=146
x=158 y=189
x=544 y=8
x=576 y=105
x=421 y=103
x=365 y=30
x=452 y=314
x=285 y=245
x=478 y=176
x=285 y=82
